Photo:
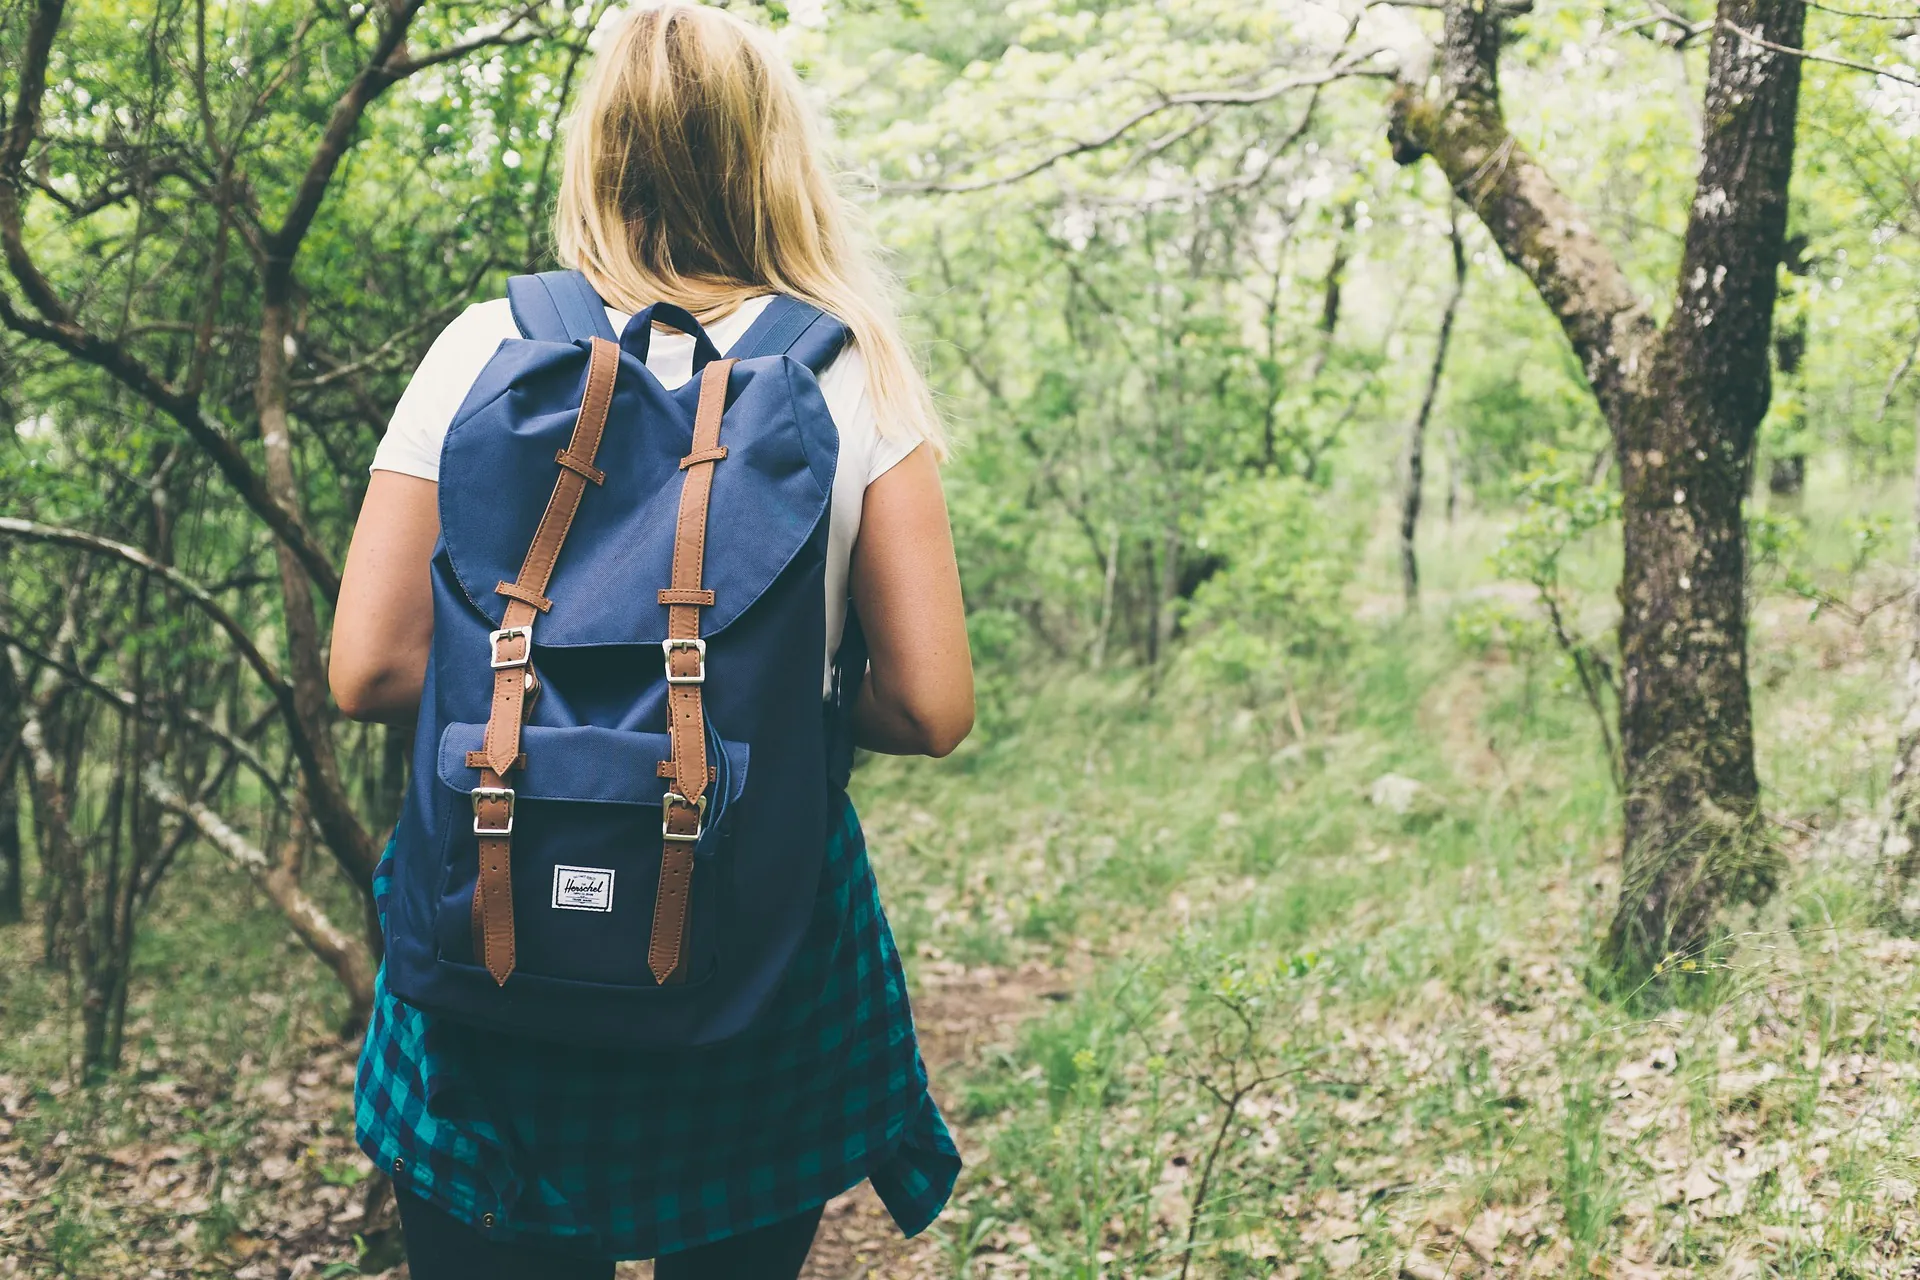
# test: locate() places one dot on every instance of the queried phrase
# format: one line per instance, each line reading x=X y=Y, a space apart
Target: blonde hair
x=693 y=175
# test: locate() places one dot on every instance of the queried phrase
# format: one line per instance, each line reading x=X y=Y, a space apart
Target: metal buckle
x=667 y=647
x=483 y=794
x=508 y=633
x=698 y=804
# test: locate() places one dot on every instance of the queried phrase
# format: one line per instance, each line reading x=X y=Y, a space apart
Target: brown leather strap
x=514 y=591
x=514 y=684
x=582 y=465
x=684 y=807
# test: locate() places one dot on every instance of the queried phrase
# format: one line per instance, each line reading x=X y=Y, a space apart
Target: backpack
x=624 y=762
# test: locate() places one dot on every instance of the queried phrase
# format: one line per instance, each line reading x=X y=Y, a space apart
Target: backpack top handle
x=638 y=334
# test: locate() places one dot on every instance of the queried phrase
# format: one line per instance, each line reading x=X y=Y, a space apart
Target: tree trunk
x=1684 y=405
x=1417 y=432
x=61 y=853
x=1695 y=837
x=1787 y=471
x=1900 y=847
x=347 y=839
x=13 y=871
x=1787 y=476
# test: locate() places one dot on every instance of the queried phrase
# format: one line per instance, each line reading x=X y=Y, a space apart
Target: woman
x=692 y=176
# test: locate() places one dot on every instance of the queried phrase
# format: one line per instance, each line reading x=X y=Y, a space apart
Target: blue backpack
x=624 y=761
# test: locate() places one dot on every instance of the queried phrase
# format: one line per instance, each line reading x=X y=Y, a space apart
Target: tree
x=1417 y=430
x=217 y=264
x=1683 y=401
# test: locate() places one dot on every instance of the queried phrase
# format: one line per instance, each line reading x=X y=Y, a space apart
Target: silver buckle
x=509 y=633
x=667 y=647
x=699 y=807
x=482 y=795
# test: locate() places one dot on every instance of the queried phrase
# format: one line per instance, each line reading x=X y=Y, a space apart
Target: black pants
x=441 y=1247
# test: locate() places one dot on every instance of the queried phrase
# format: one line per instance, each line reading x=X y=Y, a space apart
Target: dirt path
x=961 y=1015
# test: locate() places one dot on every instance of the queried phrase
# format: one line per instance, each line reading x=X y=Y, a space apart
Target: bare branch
x=127 y=704
x=346 y=837
x=1862 y=13
x=338 y=370
x=501 y=35
x=1808 y=55
x=374 y=79
x=1350 y=67
x=340 y=953
x=58 y=330
x=217 y=613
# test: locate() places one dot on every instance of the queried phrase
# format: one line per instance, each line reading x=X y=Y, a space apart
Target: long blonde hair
x=693 y=175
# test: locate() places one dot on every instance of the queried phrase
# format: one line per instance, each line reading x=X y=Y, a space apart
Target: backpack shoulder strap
x=558 y=306
x=791 y=327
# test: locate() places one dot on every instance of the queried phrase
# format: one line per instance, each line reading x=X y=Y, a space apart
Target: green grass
x=1449 y=1094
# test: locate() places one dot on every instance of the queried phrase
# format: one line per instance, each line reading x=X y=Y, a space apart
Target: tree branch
x=126 y=703
x=348 y=961
x=97 y=545
x=1808 y=55
x=1350 y=67
x=59 y=331
x=374 y=79
x=333 y=809
x=1539 y=230
x=502 y=35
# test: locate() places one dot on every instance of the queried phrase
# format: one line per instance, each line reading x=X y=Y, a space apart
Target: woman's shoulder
x=864 y=447
x=419 y=424
x=481 y=322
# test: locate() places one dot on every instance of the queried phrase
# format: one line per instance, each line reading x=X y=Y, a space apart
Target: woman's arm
x=918 y=694
x=383 y=625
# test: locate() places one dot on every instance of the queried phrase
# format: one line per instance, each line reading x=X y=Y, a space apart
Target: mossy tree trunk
x=1684 y=402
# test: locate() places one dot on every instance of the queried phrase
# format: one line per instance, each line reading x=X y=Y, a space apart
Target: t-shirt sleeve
x=419 y=424
x=844 y=385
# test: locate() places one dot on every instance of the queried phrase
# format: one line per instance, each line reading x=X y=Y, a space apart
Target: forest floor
x=1207 y=991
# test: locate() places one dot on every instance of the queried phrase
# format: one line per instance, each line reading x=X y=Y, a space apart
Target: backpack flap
x=769 y=496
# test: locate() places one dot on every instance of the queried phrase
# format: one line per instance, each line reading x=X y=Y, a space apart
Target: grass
x=1436 y=1087
x=1303 y=1033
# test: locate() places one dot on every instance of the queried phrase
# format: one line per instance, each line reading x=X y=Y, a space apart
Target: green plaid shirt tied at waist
x=629 y=1155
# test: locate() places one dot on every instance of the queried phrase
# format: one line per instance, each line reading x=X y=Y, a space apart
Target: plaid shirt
x=629 y=1155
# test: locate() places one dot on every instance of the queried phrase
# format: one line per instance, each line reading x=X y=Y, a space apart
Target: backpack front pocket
x=585 y=852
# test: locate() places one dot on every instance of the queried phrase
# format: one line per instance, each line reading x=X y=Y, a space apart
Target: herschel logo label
x=583 y=888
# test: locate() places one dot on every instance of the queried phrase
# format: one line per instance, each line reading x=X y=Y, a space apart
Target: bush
x=1275 y=612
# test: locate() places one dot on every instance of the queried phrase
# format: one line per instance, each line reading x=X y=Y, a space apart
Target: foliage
x=1277 y=604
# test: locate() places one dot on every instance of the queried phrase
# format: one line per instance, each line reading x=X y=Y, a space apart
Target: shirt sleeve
x=844 y=386
x=419 y=424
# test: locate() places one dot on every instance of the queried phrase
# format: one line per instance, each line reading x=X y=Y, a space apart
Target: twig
x=236 y=632
x=1809 y=55
x=1346 y=68
x=126 y=703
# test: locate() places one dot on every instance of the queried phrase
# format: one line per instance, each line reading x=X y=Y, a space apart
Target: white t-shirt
x=420 y=421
